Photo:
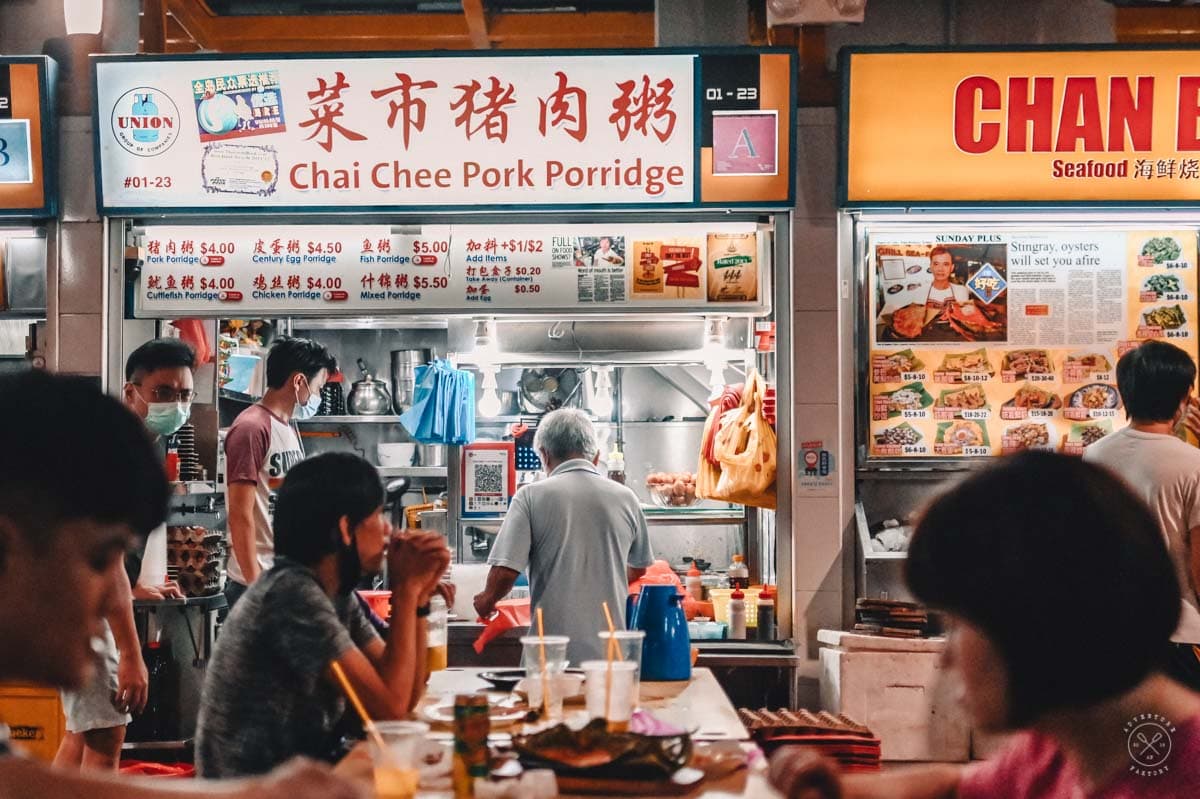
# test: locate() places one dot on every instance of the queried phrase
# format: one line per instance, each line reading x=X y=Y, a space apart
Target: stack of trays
x=189 y=459
x=891 y=618
x=195 y=558
x=840 y=738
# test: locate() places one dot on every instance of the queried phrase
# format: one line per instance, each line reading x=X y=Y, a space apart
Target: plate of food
x=1167 y=317
x=974 y=362
x=502 y=709
x=901 y=435
x=1095 y=397
x=1031 y=396
x=1092 y=362
x=962 y=433
x=914 y=269
x=1089 y=433
x=910 y=321
x=896 y=289
x=895 y=364
x=912 y=397
x=970 y=398
x=595 y=754
x=1029 y=435
x=1028 y=362
x=1162 y=285
x=1160 y=250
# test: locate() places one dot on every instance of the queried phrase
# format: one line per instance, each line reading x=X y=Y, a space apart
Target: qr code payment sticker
x=486 y=486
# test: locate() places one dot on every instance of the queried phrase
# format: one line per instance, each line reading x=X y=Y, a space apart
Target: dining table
x=698 y=705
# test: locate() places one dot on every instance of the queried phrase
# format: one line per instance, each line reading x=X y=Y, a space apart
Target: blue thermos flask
x=667 y=648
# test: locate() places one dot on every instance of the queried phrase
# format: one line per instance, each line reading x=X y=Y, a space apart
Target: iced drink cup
x=396 y=765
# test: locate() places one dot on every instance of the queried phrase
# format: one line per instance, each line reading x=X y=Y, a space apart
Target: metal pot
x=368 y=396
x=404 y=376
x=431 y=454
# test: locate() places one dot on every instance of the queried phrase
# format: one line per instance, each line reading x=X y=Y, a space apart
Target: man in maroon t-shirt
x=261 y=446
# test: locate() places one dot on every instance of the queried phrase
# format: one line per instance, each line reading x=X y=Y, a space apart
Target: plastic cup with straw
x=394 y=779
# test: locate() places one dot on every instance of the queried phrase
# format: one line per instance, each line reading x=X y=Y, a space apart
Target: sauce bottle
x=739 y=573
x=737 y=615
x=766 y=615
x=616 y=465
x=694 y=587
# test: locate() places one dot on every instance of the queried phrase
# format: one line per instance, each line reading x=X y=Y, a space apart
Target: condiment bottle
x=737 y=615
x=616 y=465
x=766 y=615
x=739 y=573
x=694 y=588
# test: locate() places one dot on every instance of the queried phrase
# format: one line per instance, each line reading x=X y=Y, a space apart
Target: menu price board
x=987 y=342
x=221 y=271
x=387 y=131
x=25 y=145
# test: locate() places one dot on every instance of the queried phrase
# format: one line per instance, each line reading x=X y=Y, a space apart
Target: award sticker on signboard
x=745 y=143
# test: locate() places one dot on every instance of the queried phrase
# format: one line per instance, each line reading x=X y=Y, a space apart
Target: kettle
x=368 y=396
x=667 y=648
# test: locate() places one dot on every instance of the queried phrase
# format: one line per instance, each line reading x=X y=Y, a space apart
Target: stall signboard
x=985 y=342
x=385 y=132
x=222 y=271
x=1029 y=126
x=26 y=152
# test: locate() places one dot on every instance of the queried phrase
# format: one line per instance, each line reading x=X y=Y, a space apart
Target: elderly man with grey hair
x=582 y=537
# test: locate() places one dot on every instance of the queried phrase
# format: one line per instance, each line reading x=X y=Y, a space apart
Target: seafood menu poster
x=989 y=342
x=207 y=271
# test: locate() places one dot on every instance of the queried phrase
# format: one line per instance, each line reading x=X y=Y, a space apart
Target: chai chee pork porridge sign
x=396 y=131
x=1093 y=125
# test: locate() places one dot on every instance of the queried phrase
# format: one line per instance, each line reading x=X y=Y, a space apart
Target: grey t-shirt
x=265 y=696
x=575 y=531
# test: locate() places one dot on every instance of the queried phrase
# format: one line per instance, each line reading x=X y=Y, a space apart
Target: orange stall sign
x=1030 y=126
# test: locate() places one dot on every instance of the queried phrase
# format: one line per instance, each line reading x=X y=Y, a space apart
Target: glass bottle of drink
x=739 y=573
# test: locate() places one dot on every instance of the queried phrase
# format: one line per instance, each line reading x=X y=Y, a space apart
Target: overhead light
x=83 y=16
x=489 y=401
x=487 y=348
x=602 y=401
x=714 y=351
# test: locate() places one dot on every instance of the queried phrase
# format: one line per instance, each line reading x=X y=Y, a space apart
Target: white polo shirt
x=576 y=532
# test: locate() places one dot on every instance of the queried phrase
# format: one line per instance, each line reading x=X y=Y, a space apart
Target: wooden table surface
x=698 y=704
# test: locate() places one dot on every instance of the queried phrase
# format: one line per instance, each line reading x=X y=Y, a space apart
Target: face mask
x=309 y=409
x=165 y=418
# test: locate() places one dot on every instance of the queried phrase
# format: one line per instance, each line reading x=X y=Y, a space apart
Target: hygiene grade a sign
x=1096 y=125
x=385 y=132
x=25 y=141
x=242 y=270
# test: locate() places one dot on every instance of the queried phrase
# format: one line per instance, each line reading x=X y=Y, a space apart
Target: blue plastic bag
x=443 y=409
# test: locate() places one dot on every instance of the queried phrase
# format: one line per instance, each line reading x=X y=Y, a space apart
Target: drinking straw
x=612 y=631
x=608 y=657
x=372 y=730
x=542 y=649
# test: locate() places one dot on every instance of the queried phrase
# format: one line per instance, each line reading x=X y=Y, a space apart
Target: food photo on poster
x=1032 y=364
x=942 y=292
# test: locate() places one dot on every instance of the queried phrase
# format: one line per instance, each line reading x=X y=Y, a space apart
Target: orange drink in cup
x=396 y=762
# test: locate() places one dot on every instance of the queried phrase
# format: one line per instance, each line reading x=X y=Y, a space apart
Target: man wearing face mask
x=1155 y=381
x=270 y=692
x=158 y=389
x=261 y=446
